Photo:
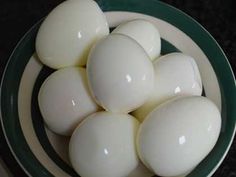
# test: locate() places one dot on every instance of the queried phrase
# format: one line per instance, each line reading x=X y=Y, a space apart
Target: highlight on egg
x=120 y=74
x=68 y=32
x=176 y=74
x=177 y=135
x=143 y=32
x=104 y=145
x=64 y=100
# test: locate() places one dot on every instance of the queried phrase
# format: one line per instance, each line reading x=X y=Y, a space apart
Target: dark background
x=218 y=17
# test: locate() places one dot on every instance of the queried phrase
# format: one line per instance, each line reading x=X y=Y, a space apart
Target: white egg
x=145 y=33
x=68 y=32
x=64 y=100
x=120 y=74
x=104 y=145
x=178 y=135
x=176 y=74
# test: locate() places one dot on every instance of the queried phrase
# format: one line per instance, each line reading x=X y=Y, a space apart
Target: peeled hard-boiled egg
x=176 y=136
x=176 y=74
x=64 y=100
x=120 y=74
x=104 y=145
x=68 y=32
x=145 y=33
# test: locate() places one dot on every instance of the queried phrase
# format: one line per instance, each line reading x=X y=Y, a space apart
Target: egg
x=120 y=74
x=176 y=74
x=145 y=33
x=176 y=136
x=64 y=100
x=104 y=145
x=68 y=32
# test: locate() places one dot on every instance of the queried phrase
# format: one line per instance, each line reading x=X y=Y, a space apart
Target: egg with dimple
x=176 y=74
x=68 y=32
x=176 y=136
x=120 y=74
x=64 y=100
x=145 y=33
x=104 y=145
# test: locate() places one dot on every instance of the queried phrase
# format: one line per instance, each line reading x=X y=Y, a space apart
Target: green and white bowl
x=41 y=153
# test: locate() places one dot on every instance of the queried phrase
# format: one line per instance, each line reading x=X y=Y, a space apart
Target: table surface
x=218 y=17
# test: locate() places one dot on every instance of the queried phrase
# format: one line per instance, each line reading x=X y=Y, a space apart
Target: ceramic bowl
x=41 y=153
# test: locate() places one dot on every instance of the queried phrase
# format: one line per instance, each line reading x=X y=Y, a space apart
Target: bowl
x=39 y=152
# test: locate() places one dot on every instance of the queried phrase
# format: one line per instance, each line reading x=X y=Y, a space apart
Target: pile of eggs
x=122 y=103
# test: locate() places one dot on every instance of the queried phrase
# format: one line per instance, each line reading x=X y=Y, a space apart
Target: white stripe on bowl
x=28 y=79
